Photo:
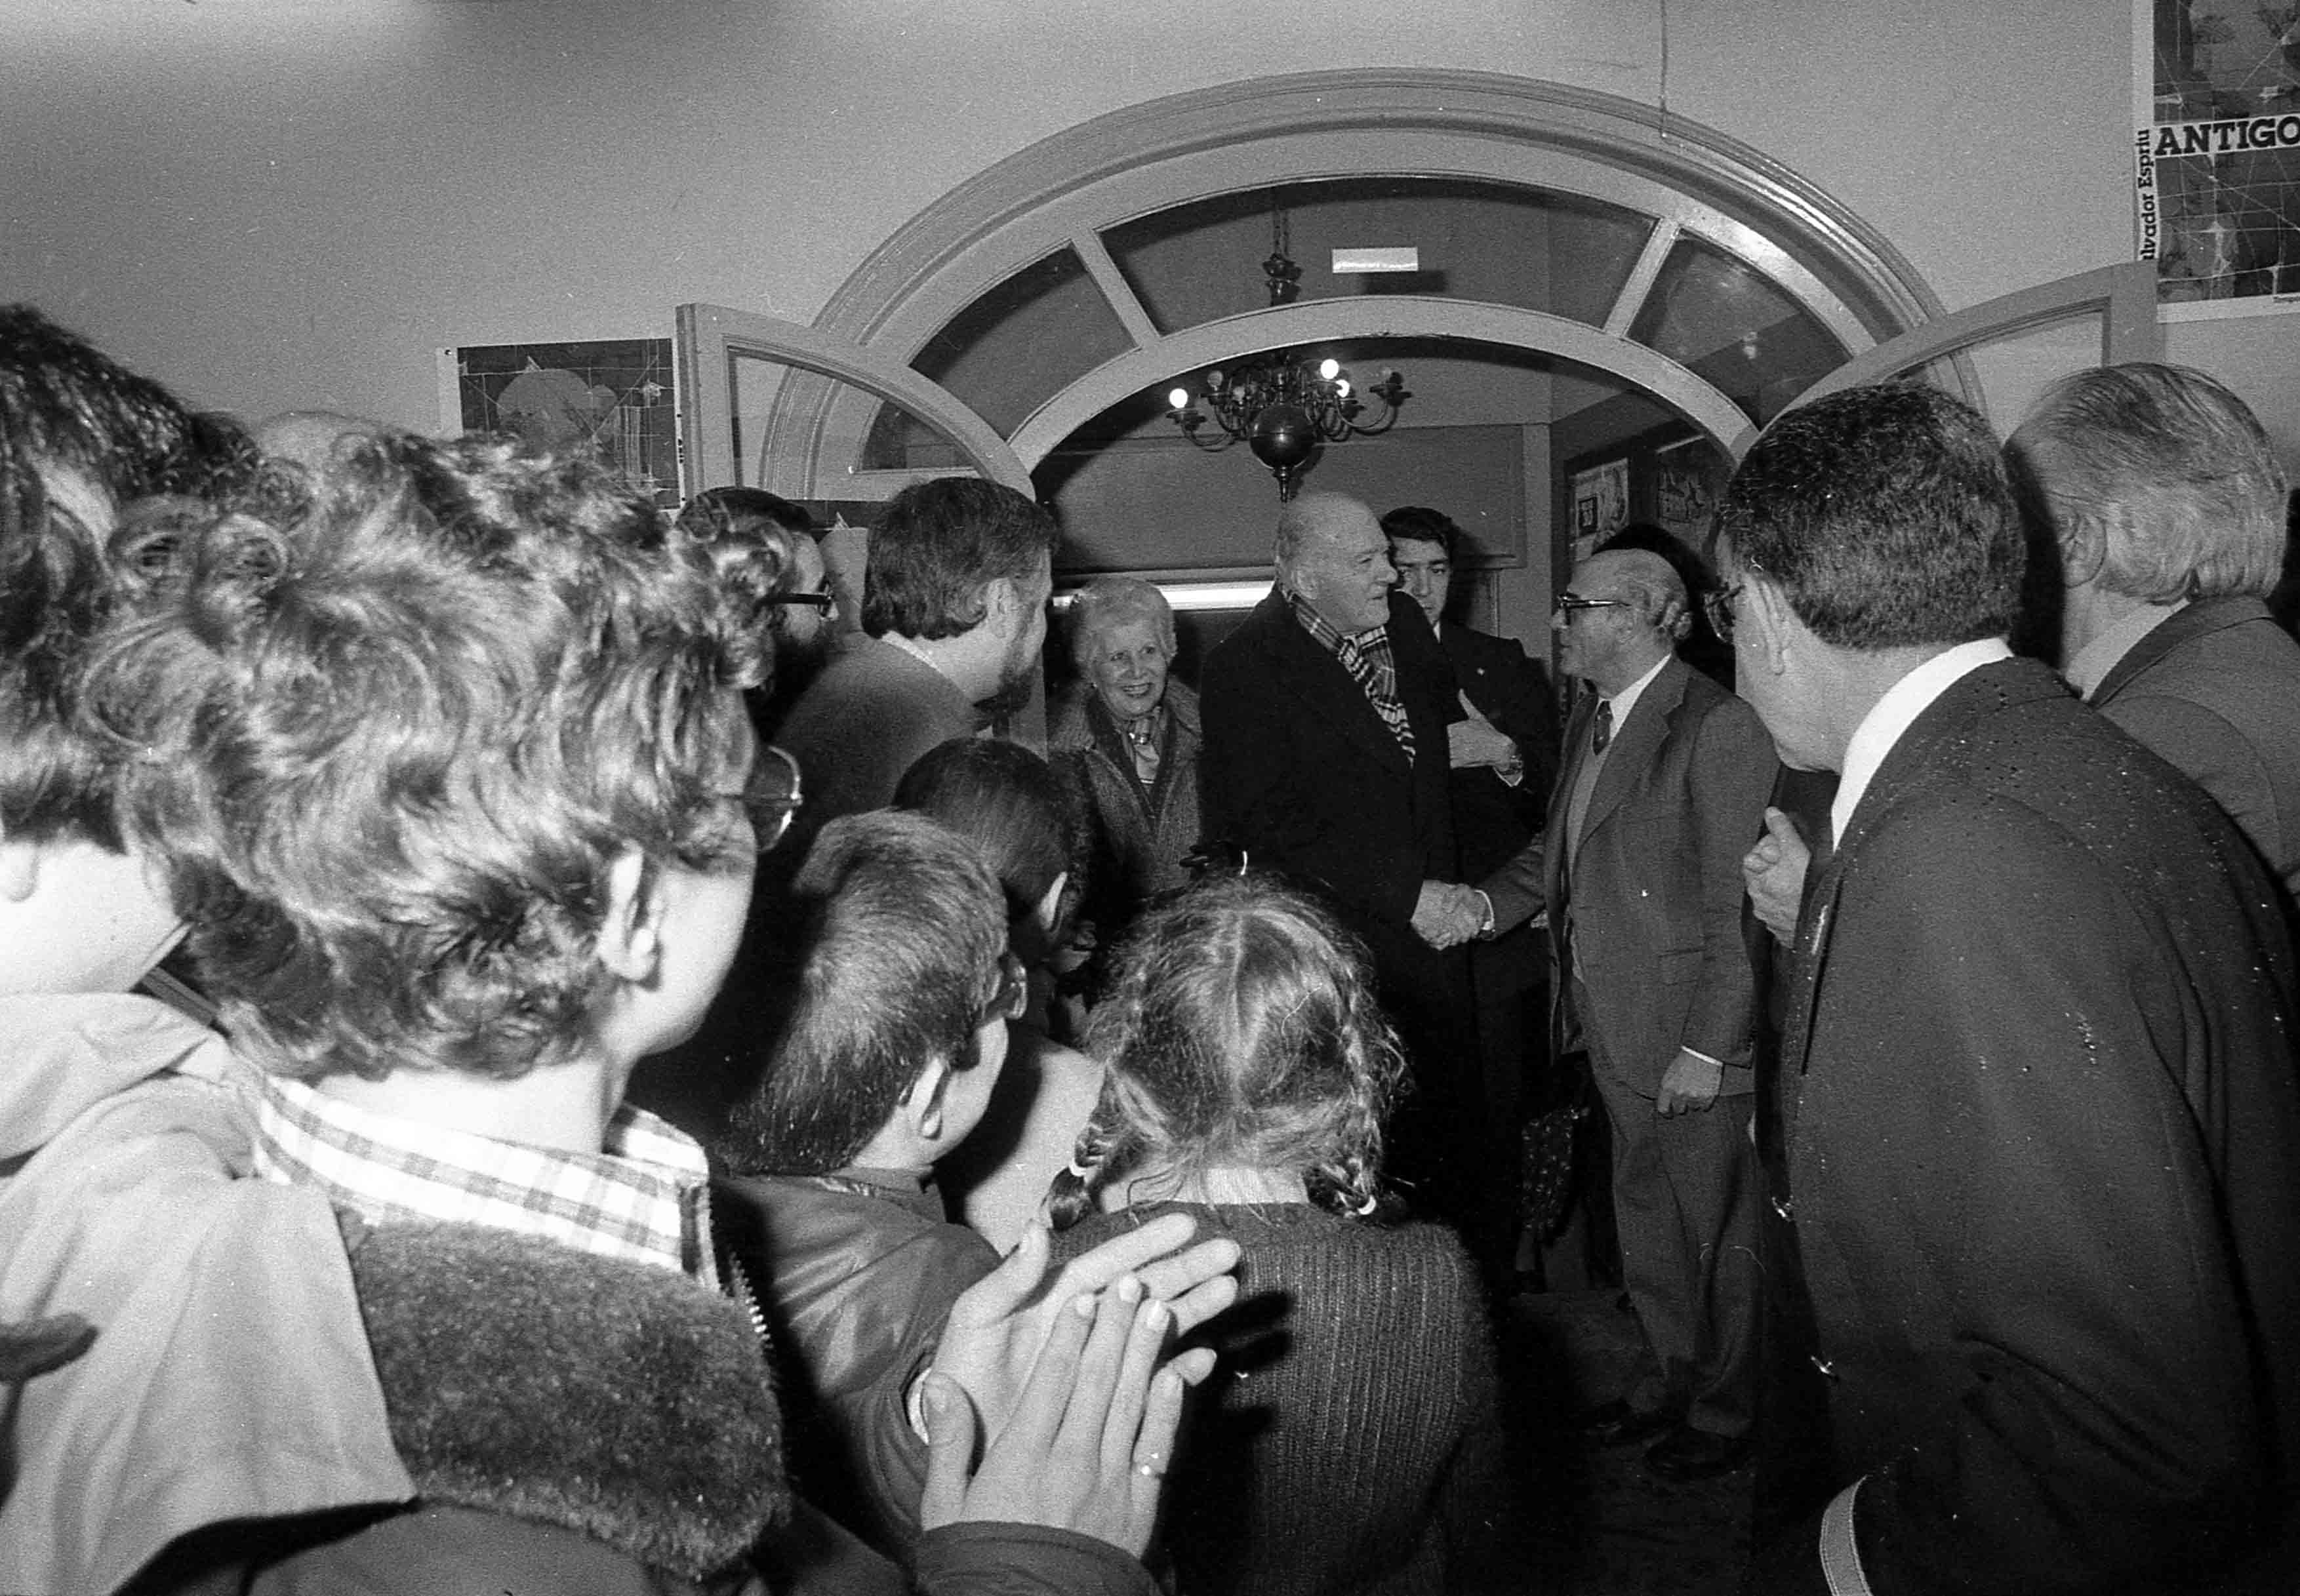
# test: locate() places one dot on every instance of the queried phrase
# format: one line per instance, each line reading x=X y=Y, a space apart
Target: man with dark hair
x=797 y=609
x=1665 y=786
x=1502 y=756
x=2043 y=1137
x=2165 y=508
x=1325 y=716
x=953 y=612
x=888 y=1048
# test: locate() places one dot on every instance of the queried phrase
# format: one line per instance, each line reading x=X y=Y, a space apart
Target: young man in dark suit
x=2042 y=1126
x=1503 y=754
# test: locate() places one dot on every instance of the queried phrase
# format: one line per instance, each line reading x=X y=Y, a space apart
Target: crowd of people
x=541 y=1054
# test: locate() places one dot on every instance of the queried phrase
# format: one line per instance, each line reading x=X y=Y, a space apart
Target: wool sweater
x=1349 y=1442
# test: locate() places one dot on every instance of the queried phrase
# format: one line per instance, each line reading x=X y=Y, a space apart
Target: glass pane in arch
x=806 y=435
x=1024 y=341
x=1730 y=323
x=1498 y=243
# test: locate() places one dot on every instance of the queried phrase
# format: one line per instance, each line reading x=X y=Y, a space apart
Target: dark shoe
x=1687 y=1453
x=1617 y=1424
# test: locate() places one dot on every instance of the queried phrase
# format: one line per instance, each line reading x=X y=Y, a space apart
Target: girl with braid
x=1351 y=1442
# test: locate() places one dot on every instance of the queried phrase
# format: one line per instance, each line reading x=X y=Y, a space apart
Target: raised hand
x=1088 y=1445
x=1774 y=869
x=1000 y=1324
x=1474 y=741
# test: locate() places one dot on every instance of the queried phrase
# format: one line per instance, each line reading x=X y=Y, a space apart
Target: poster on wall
x=1688 y=479
x=1600 y=497
x=609 y=399
x=2216 y=153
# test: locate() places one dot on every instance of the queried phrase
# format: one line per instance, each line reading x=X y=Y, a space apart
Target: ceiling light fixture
x=1283 y=406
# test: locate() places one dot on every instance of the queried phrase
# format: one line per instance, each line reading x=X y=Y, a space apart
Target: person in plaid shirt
x=453 y=780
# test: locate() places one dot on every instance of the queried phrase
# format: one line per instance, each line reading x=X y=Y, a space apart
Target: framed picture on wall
x=1688 y=480
x=611 y=399
x=1599 y=501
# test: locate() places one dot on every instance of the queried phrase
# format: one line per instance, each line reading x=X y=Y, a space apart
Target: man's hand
x=1688 y=1085
x=1474 y=742
x=1448 y=913
x=1774 y=869
x=1087 y=1446
x=998 y=1326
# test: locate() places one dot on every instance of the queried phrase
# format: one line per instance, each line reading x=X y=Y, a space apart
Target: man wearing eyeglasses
x=2042 y=1129
x=1663 y=787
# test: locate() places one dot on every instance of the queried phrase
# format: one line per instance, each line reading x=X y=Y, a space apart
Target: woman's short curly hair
x=1241 y=1030
x=389 y=753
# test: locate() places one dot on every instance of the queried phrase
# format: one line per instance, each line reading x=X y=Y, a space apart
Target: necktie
x=1602 y=729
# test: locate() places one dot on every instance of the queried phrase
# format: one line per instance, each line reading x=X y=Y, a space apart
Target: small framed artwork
x=610 y=399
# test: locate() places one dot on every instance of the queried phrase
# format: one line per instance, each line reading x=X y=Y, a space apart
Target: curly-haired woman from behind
x=1351 y=1443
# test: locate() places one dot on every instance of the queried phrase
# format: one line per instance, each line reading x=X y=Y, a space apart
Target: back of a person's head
x=935 y=547
x=750 y=535
x=390 y=753
x=1240 y=1030
x=2172 y=472
x=1008 y=803
x=79 y=436
x=892 y=952
x=1885 y=516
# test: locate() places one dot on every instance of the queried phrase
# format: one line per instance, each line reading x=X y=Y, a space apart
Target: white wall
x=270 y=204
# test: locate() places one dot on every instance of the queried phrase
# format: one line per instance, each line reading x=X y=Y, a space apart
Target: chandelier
x=1283 y=406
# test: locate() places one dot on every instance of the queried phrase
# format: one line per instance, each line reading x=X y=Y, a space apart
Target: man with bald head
x=1326 y=758
x=1663 y=787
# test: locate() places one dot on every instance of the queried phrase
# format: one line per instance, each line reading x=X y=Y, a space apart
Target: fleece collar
x=608 y=1397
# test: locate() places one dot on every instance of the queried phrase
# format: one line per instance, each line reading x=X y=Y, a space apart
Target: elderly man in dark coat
x=2043 y=1132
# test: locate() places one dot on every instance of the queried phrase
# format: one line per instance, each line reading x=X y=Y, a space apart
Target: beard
x=1012 y=696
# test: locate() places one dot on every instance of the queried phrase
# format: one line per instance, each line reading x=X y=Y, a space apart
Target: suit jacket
x=1493 y=820
x=2216 y=690
x=2044 y=1152
x=1654 y=894
x=861 y=724
x=1299 y=769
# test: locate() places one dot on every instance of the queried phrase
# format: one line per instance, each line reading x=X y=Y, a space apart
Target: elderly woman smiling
x=1127 y=734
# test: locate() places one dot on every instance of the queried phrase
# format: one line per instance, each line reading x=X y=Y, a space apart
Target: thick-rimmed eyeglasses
x=771 y=795
x=1719 y=607
x=1570 y=605
x=1012 y=995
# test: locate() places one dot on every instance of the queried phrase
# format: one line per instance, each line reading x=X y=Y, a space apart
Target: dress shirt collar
x=1627 y=698
x=639 y=1198
x=1893 y=714
x=2096 y=659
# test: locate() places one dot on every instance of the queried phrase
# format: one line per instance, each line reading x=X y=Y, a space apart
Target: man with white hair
x=1664 y=786
x=1325 y=757
x=2167 y=508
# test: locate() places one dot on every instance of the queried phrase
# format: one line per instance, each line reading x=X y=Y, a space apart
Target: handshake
x=1448 y=913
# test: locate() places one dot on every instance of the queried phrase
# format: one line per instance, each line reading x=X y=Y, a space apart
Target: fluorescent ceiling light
x=1348 y=261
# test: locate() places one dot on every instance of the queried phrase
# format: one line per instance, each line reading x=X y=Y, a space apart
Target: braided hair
x=1241 y=1030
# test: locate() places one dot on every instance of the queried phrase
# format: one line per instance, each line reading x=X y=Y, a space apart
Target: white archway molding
x=1064 y=192
x=1401 y=316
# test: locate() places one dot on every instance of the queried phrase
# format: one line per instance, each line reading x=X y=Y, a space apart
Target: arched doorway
x=1633 y=253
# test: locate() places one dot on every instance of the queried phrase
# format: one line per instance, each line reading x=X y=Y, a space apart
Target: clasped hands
x=1448 y=913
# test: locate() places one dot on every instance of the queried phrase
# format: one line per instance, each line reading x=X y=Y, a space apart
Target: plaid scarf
x=643 y=1197
x=1367 y=657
